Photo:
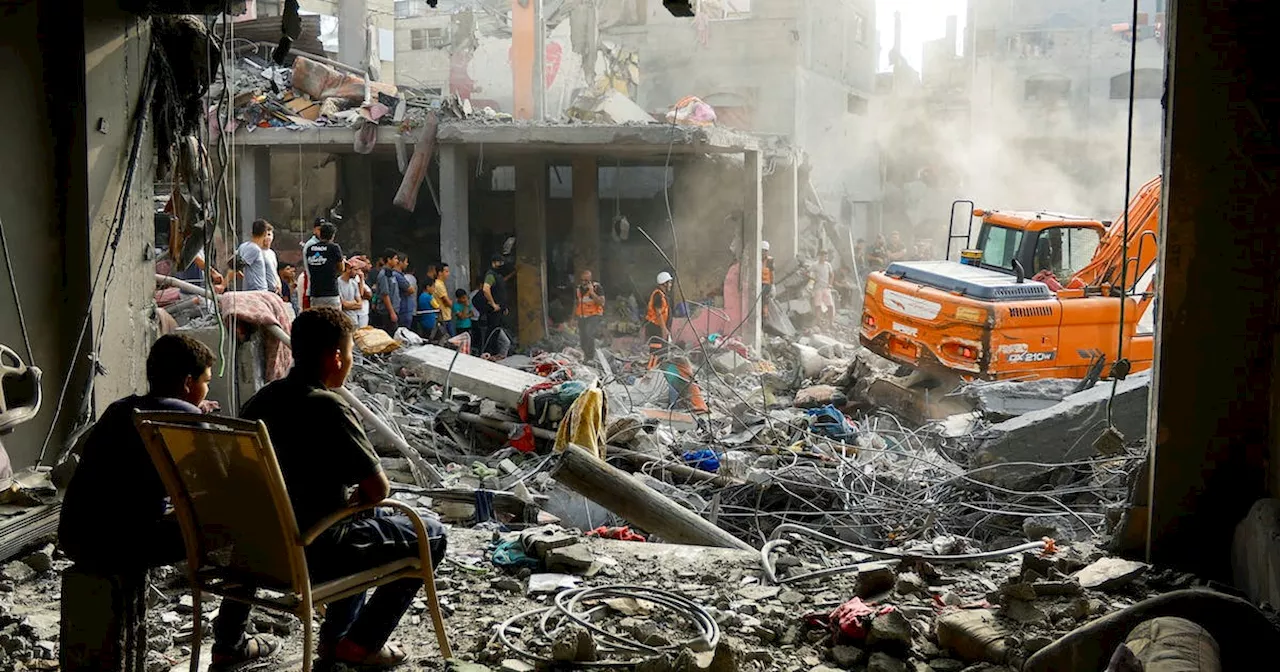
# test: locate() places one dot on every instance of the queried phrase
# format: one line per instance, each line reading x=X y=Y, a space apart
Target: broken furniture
x=222 y=475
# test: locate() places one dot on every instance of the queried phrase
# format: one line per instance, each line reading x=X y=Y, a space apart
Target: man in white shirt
x=252 y=261
x=269 y=257
x=355 y=296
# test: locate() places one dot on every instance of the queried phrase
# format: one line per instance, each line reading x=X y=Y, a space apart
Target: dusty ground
x=762 y=626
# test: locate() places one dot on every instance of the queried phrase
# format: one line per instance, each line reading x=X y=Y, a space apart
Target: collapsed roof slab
x=597 y=139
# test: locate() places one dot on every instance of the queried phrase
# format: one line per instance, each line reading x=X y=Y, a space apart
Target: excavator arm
x=1110 y=261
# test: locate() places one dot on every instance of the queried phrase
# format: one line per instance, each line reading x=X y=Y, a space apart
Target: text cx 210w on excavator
x=1039 y=297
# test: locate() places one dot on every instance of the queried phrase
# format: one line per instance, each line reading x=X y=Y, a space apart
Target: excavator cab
x=1029 y=245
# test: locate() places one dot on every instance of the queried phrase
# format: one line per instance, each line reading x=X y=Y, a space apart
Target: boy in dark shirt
x=323 y=453
x=324 y=264
x=113 y=514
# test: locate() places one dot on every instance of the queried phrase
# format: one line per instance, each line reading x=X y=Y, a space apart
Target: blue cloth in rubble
x=705 y=459
x=484 y=506
x=830 y=422
x=511 y=554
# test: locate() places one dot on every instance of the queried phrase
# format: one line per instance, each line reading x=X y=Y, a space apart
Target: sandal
x=352 y=654
x=251 y=649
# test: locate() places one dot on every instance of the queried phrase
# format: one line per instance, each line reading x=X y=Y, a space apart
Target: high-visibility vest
x=659 y=312
x=585 y=309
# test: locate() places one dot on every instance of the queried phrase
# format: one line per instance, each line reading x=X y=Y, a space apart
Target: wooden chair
x=228 y=493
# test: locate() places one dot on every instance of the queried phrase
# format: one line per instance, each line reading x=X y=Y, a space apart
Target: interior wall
x=117 y=46
x=32 y=226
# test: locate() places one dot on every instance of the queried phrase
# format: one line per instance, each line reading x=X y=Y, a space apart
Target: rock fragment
x=973 y=635
x=1110 y=573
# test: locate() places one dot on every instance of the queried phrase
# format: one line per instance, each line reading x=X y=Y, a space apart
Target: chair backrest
x=227 y=490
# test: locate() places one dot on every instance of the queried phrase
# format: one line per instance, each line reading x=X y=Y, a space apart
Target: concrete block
x=477 y=376
x=1061 y=433
x=1255 y=553
x=1009 y=399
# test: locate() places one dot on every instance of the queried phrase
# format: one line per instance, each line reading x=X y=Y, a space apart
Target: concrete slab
x=1062 y=433
x=477 y=376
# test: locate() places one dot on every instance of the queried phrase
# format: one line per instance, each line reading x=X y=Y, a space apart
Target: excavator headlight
x=970 y=314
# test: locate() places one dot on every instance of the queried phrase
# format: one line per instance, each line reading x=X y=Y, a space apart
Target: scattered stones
x=910 y=583
x=17 y=572
x=946 y=665
x=1110 y=573
x=516 y=665
x=875 y=581
x=157 y=662
x=847 y=656
x=883 y=662
x=576 y=558
x=1024 y=612
x=509 y=584
x=793 y=597
x=574 y=645
x=41 y=561
x=890 y=632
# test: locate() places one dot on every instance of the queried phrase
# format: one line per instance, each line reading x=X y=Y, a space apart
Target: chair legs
x=197 y=627
x=433 y=605
x=304 y=615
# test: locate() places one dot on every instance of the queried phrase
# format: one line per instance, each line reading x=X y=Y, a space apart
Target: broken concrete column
x=530 y=312
x=253 y=172
x=586 y=216
x=455 y=213
x=1061 y=433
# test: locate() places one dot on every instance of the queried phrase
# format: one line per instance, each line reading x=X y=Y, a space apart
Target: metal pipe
x=170 y=281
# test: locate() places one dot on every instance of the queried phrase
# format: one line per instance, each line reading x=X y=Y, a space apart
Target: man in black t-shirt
x=491 y=304
x=325 y=263
x=323 y=453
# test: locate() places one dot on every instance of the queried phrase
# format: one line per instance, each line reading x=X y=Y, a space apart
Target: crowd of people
x=383 y=292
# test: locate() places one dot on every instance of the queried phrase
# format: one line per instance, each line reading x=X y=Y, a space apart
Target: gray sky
x=922 y=20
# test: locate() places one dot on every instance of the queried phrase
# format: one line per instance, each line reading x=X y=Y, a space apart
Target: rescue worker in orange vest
x=766 y=278
x=590 y=313
x=657 y=319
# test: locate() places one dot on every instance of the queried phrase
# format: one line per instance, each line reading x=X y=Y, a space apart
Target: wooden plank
x=477 y=376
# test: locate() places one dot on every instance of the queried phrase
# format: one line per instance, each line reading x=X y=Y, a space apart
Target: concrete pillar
x=1212 y=416
x=254 y=196
x=586 y=216
x=352 y=32
x=455 y=213
x=356 y=187
x=528 y=40
x=752 y=234
x=782 y=213
x=530 y=315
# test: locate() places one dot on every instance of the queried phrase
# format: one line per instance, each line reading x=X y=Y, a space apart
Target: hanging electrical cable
x=1121 y=367
x=17 y=299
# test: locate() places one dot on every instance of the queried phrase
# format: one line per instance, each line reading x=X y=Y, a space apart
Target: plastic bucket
x=971 y=257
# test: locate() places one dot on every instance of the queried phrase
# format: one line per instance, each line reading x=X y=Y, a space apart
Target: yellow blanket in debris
x=583 y=424
x=374 y=341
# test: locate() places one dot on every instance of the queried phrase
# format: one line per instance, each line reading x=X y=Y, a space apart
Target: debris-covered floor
x=964 y=543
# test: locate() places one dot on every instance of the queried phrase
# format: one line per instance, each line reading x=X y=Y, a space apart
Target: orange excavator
x=1040 y=296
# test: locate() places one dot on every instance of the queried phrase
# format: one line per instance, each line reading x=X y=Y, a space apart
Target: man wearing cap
x=766 y=278
x=657 y=319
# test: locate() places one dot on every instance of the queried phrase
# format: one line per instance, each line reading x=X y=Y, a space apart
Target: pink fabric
x=167 y=296
x=263 y=308
x=713 y=321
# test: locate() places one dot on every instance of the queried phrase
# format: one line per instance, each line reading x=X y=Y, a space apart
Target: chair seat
x=231 y=583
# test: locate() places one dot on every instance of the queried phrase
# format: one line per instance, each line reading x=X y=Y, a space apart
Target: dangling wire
x=1121 y=366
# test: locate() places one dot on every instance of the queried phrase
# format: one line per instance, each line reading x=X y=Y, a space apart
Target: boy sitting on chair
x=113 y=514
x=323 y=453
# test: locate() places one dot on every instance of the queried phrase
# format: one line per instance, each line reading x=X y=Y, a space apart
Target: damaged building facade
x=917 y=545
